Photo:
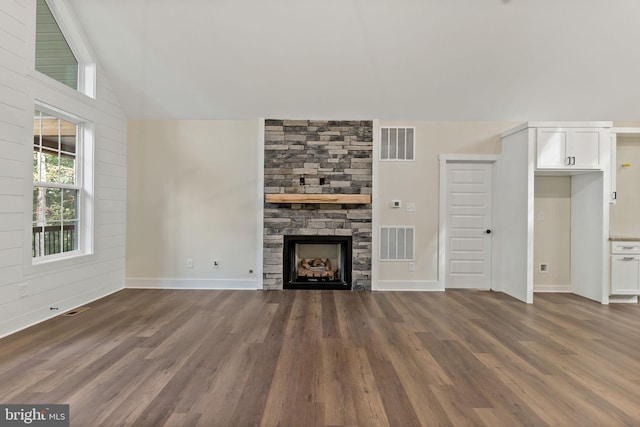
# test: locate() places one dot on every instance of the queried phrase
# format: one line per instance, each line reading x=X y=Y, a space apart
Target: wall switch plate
x=541 y=216
x=396 y=203
x=216 y=263
x=412 y=266
x=189 y=263
x=543 y=267
x=411 y=207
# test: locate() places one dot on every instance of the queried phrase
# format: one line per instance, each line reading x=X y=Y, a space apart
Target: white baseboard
x=407 y=285
x=565 y=289
x=166 y=283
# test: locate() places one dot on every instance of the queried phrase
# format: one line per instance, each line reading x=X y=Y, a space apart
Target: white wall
x=70 y=283
x=167 y=227
x=552 y=233
x=418 y=182
x=194 y=192
x=625 y=214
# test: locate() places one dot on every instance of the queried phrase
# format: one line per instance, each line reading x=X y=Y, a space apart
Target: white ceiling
x=365 y=59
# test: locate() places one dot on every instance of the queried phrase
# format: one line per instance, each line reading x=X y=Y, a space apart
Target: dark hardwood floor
x=332 y=358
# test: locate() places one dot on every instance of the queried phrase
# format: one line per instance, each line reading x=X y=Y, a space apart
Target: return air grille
x=397 y=143
x=75 y=311
x=397 y=243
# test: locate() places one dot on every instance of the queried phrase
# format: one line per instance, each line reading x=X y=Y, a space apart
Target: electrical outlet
x=412 y=266
x=411 y=207
x=189 y=262
x=216 y=263
x=24 y=290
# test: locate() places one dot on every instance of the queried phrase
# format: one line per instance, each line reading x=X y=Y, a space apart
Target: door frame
x=444 y=186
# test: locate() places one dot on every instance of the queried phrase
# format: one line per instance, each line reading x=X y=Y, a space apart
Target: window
x=397 y=243
x=54 y=57
x=62 y=206
x=60 y=51
x=58 y=191
x=397 y=143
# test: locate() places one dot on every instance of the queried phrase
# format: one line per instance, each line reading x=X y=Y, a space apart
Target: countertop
x=623 y=239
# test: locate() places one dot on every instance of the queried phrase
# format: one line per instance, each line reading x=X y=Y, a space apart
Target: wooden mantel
x=361 y=199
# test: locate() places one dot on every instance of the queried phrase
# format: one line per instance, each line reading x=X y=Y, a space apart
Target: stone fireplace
x=316 y=174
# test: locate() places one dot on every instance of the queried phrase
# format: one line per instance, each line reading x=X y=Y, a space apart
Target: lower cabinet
x=625 y=268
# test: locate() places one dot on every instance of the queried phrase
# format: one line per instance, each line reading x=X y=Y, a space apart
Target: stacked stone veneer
x=341 y=153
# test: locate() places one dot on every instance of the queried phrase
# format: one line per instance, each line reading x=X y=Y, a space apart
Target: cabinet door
x=551 y=149
x=625 y=275
x=583 y=148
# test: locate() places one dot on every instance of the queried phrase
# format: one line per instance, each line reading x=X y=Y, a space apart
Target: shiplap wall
x=73 y=282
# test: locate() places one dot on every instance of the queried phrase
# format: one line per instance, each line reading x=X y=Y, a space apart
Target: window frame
x=49 y=95
x=74 y=37
x=84 y=184
x=57 y=184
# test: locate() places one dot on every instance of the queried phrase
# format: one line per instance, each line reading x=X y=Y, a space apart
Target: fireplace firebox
x=317 y=262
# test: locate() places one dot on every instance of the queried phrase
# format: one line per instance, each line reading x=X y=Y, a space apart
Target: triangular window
x=54 y=57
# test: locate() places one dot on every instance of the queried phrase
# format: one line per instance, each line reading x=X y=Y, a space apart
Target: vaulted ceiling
x=388 y=59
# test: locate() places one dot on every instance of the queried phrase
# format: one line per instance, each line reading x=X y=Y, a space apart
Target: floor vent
x=76 y=311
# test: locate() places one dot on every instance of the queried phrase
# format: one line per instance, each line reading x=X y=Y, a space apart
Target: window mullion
x=55 y=185
x=61 y=221
x=40 y=148
x=41 y=221
x=59 y=148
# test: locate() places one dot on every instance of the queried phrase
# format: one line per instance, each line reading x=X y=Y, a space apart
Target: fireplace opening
x=317 y=262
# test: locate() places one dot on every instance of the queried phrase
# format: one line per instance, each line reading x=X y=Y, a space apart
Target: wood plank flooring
x=332 y=358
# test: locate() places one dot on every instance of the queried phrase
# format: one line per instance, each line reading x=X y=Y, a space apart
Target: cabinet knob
x=488 y=231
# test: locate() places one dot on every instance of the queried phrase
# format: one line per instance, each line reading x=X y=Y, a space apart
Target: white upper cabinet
x=573 y=148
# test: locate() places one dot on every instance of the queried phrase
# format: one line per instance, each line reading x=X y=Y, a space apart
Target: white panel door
x=468 y=229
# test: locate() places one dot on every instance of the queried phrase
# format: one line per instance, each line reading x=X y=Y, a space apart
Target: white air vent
x=397 y=243
x=397 y=143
